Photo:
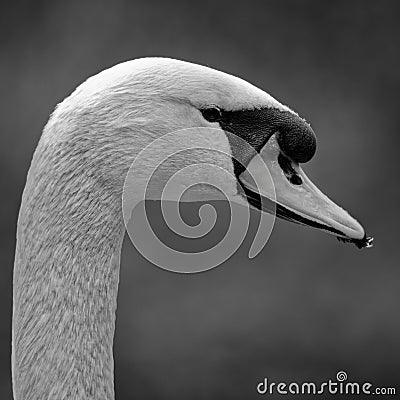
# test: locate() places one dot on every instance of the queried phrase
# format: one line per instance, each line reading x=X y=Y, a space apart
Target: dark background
x=307 y=306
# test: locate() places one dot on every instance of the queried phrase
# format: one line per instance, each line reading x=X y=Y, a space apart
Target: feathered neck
x=66 y=274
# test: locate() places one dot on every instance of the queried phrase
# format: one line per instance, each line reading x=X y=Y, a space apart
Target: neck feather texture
x=66 y=276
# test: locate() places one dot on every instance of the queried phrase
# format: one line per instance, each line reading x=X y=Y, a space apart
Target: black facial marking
x=295 y=136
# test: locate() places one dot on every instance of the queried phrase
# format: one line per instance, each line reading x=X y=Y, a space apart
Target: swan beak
x=294 y=197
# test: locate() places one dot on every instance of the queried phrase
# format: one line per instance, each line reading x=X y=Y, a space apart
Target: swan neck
x=66 y=275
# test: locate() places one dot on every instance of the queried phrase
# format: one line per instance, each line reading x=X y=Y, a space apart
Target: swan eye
x=212 y=114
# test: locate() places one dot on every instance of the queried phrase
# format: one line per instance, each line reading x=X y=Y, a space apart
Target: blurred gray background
x=307 y=306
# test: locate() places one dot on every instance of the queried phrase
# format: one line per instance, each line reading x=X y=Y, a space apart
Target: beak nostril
x=295 y=180
x=288 y=170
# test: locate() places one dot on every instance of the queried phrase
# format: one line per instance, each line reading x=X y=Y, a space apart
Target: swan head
x=227 y=122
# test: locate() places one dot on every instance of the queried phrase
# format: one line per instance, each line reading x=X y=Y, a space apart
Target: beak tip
x=365 y=243
x=358 y=237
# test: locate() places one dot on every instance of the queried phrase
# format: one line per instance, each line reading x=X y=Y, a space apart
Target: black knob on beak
x=297 y=140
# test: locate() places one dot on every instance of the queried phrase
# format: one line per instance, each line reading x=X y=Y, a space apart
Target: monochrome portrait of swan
x=70 y=225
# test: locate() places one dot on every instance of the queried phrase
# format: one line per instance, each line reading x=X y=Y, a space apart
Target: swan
x=70 y=228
